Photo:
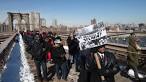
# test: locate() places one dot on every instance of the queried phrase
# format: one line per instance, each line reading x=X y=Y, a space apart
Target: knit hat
x=57 y=40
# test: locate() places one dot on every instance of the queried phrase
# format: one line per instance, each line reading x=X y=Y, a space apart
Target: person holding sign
x=104 y=65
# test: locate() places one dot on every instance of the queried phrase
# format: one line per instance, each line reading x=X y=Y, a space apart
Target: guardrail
x=121 y=52
x=5 y=49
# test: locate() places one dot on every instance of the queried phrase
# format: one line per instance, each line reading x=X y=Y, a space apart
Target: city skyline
x=79 y=12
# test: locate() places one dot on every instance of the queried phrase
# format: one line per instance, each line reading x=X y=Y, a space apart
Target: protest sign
x=92 y=39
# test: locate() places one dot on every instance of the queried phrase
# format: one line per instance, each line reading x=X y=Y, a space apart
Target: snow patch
x=25 y=74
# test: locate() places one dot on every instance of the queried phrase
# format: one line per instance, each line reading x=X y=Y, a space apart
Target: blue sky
x=76 y=12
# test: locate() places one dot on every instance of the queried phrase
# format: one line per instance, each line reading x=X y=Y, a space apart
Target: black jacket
x=109 y=67
x=37 y=50
x=58 y=54
x=74 y=47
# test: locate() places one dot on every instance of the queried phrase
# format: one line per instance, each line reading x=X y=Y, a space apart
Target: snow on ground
x=25 y=74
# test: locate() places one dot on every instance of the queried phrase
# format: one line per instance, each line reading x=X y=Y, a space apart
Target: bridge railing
x=120 y=47
x=5 y=49
x=121 y=52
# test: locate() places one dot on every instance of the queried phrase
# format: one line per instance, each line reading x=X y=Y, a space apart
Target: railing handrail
x=125 y=46
x=6 y=42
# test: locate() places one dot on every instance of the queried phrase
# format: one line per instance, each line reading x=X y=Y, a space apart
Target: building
x=42 y=22
x=34 y=21
x=54 y=23
x=93 y=21
x=3 y=27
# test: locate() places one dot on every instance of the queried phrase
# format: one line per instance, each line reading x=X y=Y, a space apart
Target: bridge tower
x=19 y=17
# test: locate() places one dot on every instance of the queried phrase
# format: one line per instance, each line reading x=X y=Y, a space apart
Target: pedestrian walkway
x=72 y=76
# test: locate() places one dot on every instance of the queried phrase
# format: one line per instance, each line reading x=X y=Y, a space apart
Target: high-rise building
x=42 y=22
x=54 y=23
x=93 y=21
x=34 y=20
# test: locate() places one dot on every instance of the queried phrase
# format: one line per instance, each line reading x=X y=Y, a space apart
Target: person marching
x=132 y=58
x=39 y=58
x=104 y=65
x=58 y=53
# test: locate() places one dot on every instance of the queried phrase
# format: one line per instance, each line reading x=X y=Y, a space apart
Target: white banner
x=92 y=39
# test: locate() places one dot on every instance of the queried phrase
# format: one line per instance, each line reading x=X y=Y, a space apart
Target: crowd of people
x=45 y=47
x=95 y=64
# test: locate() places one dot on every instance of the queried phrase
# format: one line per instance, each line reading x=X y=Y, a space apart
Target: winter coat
x=58 y=54
x=132 y=58
x=109 y=67
x=37 y=50
x=74 y=47
x=69 y=44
